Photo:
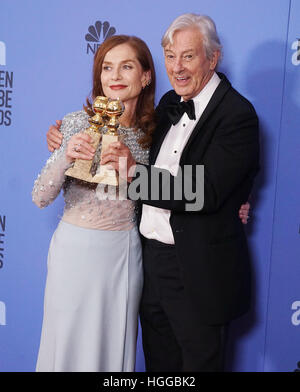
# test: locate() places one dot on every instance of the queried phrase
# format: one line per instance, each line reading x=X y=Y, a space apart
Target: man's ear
x=215 y=59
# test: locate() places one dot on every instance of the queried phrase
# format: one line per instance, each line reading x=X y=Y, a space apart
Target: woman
x=95 y=277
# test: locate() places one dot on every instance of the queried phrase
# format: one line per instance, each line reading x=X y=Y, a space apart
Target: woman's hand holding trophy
x=107 y=112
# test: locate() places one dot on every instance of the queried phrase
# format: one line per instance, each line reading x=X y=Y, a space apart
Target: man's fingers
x=53 y=139
x=54 y=145
x=54 y=129
x=54 y=134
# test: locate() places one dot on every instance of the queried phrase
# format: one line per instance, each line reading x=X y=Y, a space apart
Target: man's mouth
x=181 y=79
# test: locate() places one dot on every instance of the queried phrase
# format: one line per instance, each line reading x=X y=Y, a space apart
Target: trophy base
x=81 y=170
x=106 y=176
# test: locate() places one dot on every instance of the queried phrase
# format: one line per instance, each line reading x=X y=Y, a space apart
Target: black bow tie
x=175 y=111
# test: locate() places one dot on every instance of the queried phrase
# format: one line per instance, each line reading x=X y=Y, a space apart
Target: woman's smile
x=118 y=87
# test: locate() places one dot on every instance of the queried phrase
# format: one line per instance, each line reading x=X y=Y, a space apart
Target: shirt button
x=175 y=151
x=183 y=125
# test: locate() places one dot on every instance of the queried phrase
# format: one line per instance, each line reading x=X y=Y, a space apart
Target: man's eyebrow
x=186 y=51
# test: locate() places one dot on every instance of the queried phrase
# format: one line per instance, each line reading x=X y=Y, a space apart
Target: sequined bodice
x=86 y=204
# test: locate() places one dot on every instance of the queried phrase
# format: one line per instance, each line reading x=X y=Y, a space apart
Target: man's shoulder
x=234 y=98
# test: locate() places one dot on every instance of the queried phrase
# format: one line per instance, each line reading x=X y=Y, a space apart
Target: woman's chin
x=118 y=94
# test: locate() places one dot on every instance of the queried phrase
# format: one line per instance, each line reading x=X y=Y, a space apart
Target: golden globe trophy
x=82 y=168
x=114 y=109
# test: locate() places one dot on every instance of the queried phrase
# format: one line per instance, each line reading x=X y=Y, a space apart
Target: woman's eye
x=127 y=66
x=106 y=68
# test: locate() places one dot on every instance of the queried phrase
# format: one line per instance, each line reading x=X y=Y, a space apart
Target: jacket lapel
x=214 y=102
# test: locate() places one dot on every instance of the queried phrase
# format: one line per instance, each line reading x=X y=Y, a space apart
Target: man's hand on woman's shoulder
x=54 y=136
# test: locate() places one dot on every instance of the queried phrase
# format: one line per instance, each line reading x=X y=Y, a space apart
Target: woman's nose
x=116 y=74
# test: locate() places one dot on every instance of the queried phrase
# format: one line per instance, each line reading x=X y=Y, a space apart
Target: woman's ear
x=146 y=80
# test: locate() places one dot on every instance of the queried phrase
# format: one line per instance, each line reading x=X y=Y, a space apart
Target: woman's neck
x=128 y=117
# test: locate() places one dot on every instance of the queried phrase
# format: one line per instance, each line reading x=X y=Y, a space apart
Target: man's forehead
x=185 y=40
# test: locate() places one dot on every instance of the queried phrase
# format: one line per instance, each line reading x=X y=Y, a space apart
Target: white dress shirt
x=155 y=221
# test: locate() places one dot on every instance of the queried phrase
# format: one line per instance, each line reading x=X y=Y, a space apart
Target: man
x=196 y=263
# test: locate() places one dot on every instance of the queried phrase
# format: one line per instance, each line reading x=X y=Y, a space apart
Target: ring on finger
x=76 y=147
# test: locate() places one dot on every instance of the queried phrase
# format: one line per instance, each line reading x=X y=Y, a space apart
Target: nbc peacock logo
x=97 y=34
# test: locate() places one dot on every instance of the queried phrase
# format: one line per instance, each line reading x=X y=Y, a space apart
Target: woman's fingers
x=84 y=143
x=79 y=147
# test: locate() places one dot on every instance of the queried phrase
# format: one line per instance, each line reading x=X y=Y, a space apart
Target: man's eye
x=188 y=56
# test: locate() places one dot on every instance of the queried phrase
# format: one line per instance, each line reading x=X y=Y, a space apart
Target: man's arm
x=229 y=160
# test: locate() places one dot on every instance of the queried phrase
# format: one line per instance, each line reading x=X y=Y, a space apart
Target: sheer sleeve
x=50 y=181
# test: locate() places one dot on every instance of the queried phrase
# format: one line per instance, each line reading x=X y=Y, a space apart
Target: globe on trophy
x=82 y=168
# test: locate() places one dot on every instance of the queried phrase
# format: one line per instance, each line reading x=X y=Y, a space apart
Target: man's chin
x=183 y=93
x=181 y=90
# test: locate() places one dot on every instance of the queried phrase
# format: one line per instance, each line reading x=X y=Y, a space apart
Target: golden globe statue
x=82 y=168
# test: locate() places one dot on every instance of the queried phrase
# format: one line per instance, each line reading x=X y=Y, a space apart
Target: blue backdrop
x=45 y=72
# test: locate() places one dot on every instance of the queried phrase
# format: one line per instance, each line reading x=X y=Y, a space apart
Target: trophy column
x=114 y=109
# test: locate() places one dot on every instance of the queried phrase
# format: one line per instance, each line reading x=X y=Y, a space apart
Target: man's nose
x=178 y=65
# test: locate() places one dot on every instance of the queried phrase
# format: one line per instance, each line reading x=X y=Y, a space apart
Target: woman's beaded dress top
x=86 y=204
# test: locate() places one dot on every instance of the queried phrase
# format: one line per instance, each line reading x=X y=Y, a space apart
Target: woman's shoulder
x=75 y=121
x=79 y=115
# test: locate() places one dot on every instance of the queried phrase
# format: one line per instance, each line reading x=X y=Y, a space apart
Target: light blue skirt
x=93 y=289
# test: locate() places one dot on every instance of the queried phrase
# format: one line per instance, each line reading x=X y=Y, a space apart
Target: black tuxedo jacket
x=211 y=243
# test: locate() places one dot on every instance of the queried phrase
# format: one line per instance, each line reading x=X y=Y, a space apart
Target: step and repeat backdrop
x=46 y=55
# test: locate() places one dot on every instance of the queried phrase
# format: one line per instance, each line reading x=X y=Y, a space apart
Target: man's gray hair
x=203 y=23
